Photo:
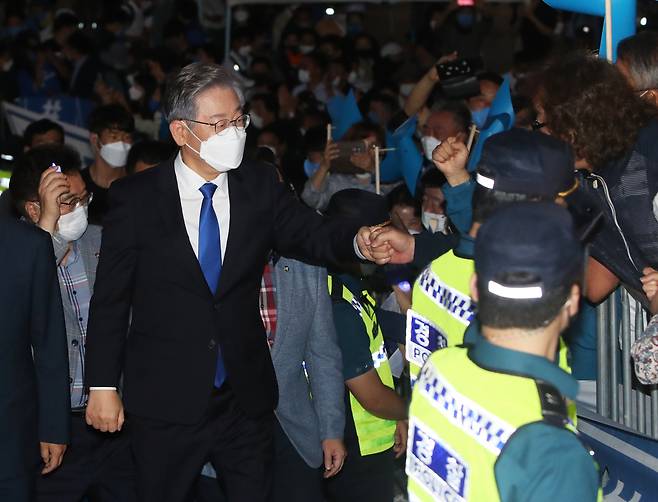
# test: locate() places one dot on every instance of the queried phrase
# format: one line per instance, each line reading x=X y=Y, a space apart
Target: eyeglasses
x=242 y=122
x=76 y=202
x=536 y=125
x=73 y=203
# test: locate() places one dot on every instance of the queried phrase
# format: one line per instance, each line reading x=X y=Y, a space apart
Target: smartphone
x=348 y=148
x=466 y=3
x=455 y=69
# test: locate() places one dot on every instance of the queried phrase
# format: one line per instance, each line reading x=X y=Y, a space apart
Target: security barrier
x=620 y=397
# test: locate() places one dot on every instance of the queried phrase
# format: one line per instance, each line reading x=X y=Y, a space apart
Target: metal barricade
x=620 y=397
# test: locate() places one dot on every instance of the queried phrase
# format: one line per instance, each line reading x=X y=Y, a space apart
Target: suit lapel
x=172 y=219
x=238 y=232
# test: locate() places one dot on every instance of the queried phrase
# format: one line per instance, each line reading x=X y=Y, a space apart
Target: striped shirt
x=73 y=278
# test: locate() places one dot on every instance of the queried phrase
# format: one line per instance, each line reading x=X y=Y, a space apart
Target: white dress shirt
x=191 y=199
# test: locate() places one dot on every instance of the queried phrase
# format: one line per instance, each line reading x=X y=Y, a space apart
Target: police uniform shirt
x=541 y=462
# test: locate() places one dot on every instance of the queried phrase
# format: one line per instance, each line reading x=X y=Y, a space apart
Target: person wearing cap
x=372 y=406
x=515 y=165
x=490 y=421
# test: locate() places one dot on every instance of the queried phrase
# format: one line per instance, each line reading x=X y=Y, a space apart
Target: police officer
x=375 y=415
x=515 y=165
x=489 y=421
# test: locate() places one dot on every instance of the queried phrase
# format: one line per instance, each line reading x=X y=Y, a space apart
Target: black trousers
x=19 y=488
x=363 y=479
x=293 y=480
x=97 y=466
x=169 y=457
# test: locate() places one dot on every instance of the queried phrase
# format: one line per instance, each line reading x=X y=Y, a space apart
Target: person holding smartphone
x=358 y=167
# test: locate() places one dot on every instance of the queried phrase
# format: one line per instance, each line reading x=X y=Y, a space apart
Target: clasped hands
x=385 y=244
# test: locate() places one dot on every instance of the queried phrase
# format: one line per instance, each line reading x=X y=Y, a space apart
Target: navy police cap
x=534 y=238
x=526 y=162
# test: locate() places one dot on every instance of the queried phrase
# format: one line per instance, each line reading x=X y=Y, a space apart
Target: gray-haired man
x=184 y=246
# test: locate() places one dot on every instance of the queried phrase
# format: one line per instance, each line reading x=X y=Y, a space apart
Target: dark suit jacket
x=34 y=372
x=147 y=267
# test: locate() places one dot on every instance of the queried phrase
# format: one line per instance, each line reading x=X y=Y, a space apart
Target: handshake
x=384 y=244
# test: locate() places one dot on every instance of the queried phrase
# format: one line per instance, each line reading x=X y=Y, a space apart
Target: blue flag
x=623 y=18
x=405 y=162
x=344 y=113
x=67 y=109
x=501 y=118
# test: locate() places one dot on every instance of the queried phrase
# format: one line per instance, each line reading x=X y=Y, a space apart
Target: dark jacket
x=34 y=371
x=147 y=268
x=623 y=190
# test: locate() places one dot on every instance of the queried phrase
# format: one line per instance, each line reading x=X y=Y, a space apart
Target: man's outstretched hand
x=383 y=245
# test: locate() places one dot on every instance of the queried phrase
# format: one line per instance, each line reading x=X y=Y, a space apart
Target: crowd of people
x=225 y=304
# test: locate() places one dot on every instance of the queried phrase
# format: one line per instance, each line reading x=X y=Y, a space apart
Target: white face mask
x=434 y=222
x=257 y=120
x=135 y=93
x=115 y=154
x=71 y=226
x=222 y=151
x=429 y=143
x=241 y=16
x=304 y=76
x=405 y=89
x=306 y=49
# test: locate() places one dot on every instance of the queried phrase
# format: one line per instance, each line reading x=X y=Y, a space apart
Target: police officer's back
x=489 y=422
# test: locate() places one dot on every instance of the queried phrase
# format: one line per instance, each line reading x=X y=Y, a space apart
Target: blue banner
x=501 y=118
x=67 y=109
x=629 y=461
x=344 y=113
x=405 y=161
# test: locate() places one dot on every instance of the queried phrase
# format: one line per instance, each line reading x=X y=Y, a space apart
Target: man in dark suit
x=34 y=372
x=184 y=247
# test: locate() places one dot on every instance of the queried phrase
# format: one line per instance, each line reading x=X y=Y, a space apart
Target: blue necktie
x=210 y=257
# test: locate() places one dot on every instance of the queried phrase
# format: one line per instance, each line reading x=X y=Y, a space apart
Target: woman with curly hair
x=586 y=102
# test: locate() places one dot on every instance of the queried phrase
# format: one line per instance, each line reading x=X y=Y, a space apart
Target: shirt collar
x=189 y=181
x=495 y=358
x=73 y=255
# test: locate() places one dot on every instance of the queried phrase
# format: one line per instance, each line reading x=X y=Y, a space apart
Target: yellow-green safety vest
x=441 y=309
x=5 y=176
x=375 y=434
x=458 y=426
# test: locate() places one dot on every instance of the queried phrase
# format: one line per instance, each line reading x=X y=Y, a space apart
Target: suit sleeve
x=299 y=232
x=324 y=364
x=110 y=304
x=49 y=345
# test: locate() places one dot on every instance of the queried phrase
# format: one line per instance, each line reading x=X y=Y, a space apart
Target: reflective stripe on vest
x=375 y=434
x=441 y=306
x=458 y=427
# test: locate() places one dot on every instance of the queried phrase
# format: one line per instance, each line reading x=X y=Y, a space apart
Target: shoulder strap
x=553 y=405
x=336 y=292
